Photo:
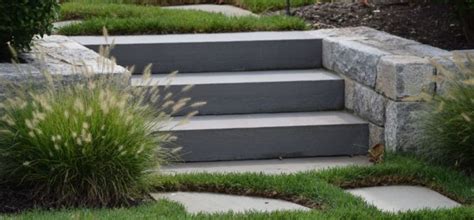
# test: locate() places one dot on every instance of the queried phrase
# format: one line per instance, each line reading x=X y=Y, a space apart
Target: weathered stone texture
x=365 y=102
x=376 y=135
x=13 y=75
x=400 y=77
x=423 y=50
x=453 y=67
x=352 y=59
x=401 y=122
x=67 y=59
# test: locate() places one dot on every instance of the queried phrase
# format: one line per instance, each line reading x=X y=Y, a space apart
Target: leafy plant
x=448 y=123
x=86 y=144
x=21 y=20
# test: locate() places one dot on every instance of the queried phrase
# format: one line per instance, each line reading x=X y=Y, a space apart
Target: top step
x=192 y=53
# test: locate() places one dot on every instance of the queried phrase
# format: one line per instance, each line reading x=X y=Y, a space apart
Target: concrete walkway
x=228 y=10
x=285 y=166
x=403 y=198
x=195 y=203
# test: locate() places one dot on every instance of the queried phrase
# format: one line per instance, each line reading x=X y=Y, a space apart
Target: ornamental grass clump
x=87 y=144
x=448 y=124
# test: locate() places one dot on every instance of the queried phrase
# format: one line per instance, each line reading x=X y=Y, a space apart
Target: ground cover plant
x=24 y=20
x=134 y=19
x=323 y=191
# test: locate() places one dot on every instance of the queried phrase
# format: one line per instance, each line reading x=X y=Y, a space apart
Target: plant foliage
x=84 y=144
x=21 y=20
x=448 y=125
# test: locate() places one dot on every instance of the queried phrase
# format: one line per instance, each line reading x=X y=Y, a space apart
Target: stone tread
x=244 y=121
x=238 y=77
x=195 y=38
x=275 y=166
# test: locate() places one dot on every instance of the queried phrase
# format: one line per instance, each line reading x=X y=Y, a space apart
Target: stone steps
x=267 y=95
x=261 y=136
x=258 y=91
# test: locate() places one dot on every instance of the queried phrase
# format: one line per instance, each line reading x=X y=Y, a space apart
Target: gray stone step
x=261 y=136
x=259 y=91
x=270 y=167
x=214 y=52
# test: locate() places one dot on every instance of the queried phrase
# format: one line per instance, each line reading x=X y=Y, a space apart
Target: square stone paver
x=195 y=202
x=403 y=198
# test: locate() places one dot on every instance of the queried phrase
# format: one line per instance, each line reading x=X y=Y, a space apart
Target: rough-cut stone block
x=401 y=77
x=376 y=135
x=400 y=127
x=365 y=102
x=452 y=67
x=423 y=50
x=12 y=75
x=352 y=59
x=69 y=61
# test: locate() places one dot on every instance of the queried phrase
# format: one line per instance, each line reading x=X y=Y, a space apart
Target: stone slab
x=401 y=77
x=352 y=59
x=210 y=203
x=365 y=102
x=255 y=91
x=270 y=136
x=276 y=166
x=227 y=10
x=220 y=56
x=69 y=61
x=402 y=119
x=403 y=198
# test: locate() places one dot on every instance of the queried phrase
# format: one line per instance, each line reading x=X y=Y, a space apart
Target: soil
x=16 y=200
x=434 y=24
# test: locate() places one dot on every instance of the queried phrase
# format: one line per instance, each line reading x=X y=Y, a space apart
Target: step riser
x=246 y=98
x=265 y=143
x=220 y=56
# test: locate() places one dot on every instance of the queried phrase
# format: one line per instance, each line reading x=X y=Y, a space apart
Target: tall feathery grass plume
x=447 y=124
x=86 y=143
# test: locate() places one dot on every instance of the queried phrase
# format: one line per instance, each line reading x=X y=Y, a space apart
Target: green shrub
x=448 y=124
x=20 y=20
x=87 y=144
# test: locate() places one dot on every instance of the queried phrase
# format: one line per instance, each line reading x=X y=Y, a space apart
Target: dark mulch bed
x=13 y=200
x=433 y=24
x=16 y=200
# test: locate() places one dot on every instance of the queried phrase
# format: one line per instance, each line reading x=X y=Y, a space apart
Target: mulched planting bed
x=433 y=24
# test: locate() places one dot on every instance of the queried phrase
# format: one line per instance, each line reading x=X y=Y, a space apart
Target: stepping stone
x=60 y=24
x=219 y=203
x=228 y=10
x=403 y=198
x=285 y=166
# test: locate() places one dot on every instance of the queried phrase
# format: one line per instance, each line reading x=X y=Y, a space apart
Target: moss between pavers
x=122 y=19
x=321 y=190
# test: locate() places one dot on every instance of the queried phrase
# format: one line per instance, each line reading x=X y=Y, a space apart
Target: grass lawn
x=321 y=190
x=256 y=6
x=123 y=19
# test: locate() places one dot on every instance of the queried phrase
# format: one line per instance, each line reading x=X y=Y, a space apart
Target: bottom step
x=275 y=166
x=266 y=136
